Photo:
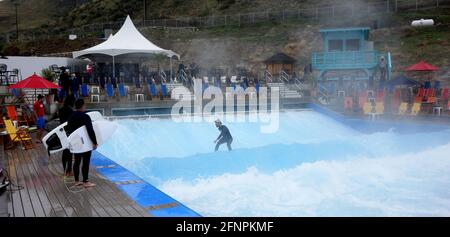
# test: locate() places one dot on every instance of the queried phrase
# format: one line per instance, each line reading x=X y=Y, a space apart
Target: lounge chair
x=431 y=99
x=109 y=90
x=379 y=108
x=415 y=109
x=361 y=101
x=380 y=96
x=11 y=111
x=257 y=85
x=84 y=90
x=15 y=135
x=402 y=108
x=444 y=96
x=122 y=91
x=152 y=89
x=368 y=108
x=164 y=90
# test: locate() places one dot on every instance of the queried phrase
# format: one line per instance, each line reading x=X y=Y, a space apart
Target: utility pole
x=16 y=4
x=145 y=11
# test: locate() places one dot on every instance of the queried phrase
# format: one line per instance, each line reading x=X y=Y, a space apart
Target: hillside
x=249 y=45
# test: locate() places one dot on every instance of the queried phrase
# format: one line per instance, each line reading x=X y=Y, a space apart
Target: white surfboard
x=56 y=140
x=80 y=142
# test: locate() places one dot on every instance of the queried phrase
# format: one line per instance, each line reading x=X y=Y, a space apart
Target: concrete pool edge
x=153 y=200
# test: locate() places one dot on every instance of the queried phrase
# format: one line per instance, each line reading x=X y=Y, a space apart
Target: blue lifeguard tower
x=349 y=59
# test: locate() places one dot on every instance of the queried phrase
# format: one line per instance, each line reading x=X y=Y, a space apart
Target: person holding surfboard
x=224 y=137
x=79 y=119
x=64 y=114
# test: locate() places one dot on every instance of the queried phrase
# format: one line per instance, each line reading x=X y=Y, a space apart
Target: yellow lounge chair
x=402 y=108
x=415 y=109
x=20 y=135
x=367 y=108
x=379 y=108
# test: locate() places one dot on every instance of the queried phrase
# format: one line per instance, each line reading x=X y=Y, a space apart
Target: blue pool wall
x=156 y=202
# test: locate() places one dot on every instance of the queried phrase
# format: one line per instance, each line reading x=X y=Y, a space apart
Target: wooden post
x=396 y=5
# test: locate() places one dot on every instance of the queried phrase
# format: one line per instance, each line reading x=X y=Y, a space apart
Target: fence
x=317 y=14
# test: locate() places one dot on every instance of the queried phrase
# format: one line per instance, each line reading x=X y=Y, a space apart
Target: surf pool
x=313 y=166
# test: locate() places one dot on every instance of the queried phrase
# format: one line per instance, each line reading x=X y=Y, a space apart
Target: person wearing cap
x=39 y=112
x=224 y=137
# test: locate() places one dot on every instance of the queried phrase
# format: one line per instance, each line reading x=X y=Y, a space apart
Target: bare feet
x=88 y=184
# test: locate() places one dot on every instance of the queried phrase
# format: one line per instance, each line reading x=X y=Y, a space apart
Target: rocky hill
x=249 y=45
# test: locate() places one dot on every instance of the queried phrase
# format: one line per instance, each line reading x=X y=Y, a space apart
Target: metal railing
x=284 y=77
x=268 y=76
x=163 y=76
x=345 y=59
x=323 y=92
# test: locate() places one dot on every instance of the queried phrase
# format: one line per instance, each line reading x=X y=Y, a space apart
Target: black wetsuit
x=224 y=137
x=64 y=114
x=77 y=120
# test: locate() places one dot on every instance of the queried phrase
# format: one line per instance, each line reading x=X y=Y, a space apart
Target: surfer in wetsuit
x=224 y=137
x=79 y=119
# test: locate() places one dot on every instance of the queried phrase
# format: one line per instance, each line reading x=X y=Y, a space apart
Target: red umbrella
x=422 y=66
x=34 y=82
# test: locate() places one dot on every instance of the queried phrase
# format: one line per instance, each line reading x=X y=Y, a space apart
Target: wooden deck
x=45 y=194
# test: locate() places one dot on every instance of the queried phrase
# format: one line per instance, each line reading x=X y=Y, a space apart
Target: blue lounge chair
x=152 y=90
x=109 y=90
x=164 y=90
x=122 y=91
x=15 y=92
x=257 y=87
x=243 y=85
x=84 y=90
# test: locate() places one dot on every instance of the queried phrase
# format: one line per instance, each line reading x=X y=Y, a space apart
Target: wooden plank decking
x=45 y=194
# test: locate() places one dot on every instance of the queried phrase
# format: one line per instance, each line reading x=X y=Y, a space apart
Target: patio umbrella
x=422 y=66
x=34 y=82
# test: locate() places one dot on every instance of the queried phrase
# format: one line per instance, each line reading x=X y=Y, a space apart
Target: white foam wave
x=413 y=184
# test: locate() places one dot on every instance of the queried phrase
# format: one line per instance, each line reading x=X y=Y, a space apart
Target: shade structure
x=34 y=82
x=422 y=66
x=127 y=41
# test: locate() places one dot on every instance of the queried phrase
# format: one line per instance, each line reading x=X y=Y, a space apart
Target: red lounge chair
x=421 y=92
x=380 y=96
x=444 y=94
x=362 y=100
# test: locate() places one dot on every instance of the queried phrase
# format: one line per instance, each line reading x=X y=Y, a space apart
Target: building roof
x=280 y=58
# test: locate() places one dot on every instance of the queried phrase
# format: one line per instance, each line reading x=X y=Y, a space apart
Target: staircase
x=285 y=90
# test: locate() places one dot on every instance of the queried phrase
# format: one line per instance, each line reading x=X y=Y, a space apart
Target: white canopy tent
x=128 y=40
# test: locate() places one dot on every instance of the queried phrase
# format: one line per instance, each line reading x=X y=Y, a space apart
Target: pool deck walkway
x=45 y=194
